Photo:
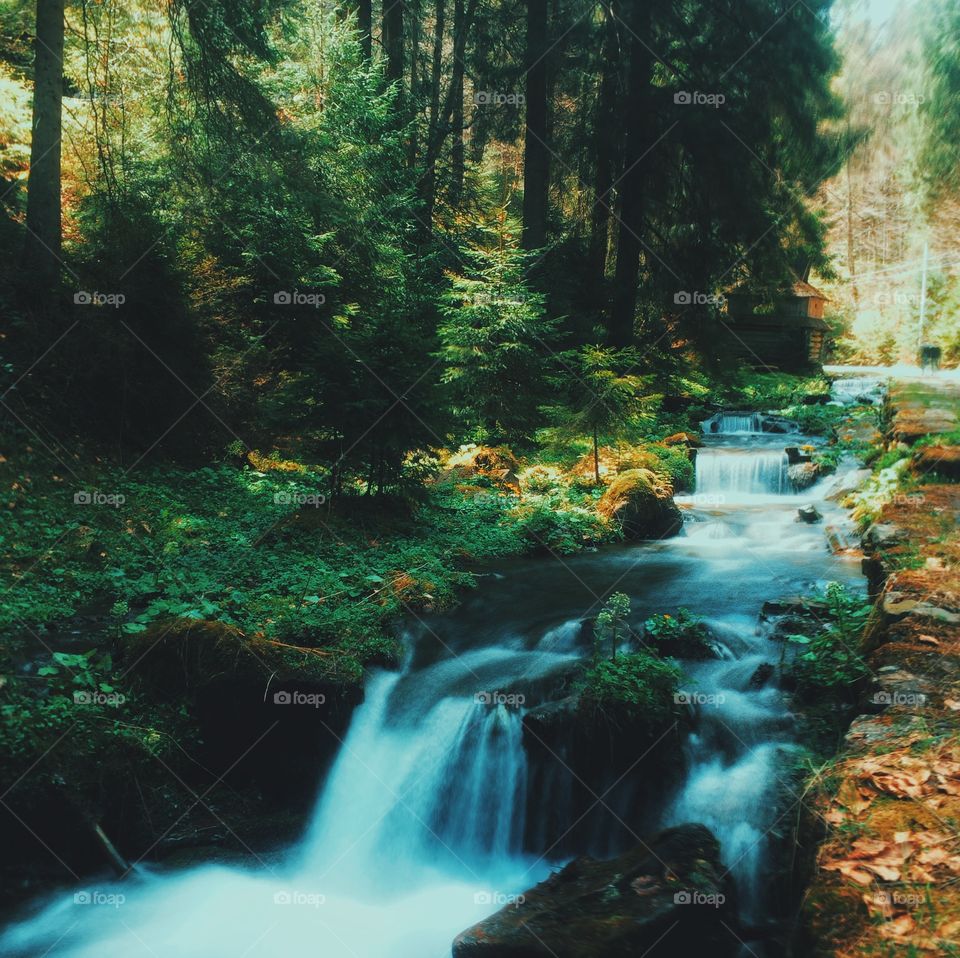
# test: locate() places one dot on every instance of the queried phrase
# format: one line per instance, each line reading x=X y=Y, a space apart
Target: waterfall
x=739 y=423
x=737 y=471
x=450 y=790
x=416 y=837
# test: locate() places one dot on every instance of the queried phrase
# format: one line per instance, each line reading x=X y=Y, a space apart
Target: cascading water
x=725 y=471
x=739 y=423
x=428 y=820
x=417 y=835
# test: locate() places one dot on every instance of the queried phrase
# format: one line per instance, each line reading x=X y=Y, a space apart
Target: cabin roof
x=800 y=289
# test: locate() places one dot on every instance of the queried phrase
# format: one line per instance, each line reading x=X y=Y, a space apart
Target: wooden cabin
x=789 y=333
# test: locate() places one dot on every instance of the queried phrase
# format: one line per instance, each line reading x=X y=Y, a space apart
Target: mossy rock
x=642 y=504
x=495 y=464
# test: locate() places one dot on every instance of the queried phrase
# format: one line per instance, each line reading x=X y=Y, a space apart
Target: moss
x=642 y=503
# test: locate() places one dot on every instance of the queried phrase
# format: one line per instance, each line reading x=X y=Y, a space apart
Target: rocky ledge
x=668 y=896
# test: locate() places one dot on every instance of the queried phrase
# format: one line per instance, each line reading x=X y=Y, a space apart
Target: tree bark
x=623 y=307
x=604 y=148
x=365 y=26
x=393 y=39
x=458 y=159
x=536 y=155
x=41 y=252
x=428 y=182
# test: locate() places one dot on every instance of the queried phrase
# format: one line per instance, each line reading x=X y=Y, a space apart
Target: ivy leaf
x=131 y=628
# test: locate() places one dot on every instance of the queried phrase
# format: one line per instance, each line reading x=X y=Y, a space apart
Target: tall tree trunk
x=413 y=29
x=365 y=26
x=41 y=252
x=536 y=156
x=458 y=159
x=638 y=141
x=604 y=147
x=428 y=182
x=393 y=38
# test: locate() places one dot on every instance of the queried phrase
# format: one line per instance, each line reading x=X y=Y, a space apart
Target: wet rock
x=642 y=506
x=804 y=474
x=796 y=605
x=795 y=455
x=667 y=897
x=551 y=721
x=761 y=675
x=808 y=514
x=778 y=425
x=841 y=539
x=847 y=483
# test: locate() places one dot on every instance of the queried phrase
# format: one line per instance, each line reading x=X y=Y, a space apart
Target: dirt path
x=887 y=880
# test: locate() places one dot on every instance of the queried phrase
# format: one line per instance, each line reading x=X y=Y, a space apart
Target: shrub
x=638 y=686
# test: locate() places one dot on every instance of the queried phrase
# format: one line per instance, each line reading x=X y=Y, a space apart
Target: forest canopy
x=371 y=231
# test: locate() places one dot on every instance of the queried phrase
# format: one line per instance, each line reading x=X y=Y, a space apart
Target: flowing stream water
x=431 y=817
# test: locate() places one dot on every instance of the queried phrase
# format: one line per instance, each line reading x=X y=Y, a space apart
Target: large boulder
x=642 y=504
x=668 y=896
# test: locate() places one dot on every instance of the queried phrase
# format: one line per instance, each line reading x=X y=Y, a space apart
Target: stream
x=432 y=816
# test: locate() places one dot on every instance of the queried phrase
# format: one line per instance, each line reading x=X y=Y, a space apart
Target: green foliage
x=830 y=662
x=556 y=525
x=495 y=336
x=635 y=687
x=638 y=686
x=683 y=626
x=611 y=626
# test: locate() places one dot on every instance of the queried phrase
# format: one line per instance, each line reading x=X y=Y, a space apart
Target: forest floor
x=888 y=870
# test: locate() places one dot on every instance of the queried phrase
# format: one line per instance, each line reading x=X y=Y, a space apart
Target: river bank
x=885 y=810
